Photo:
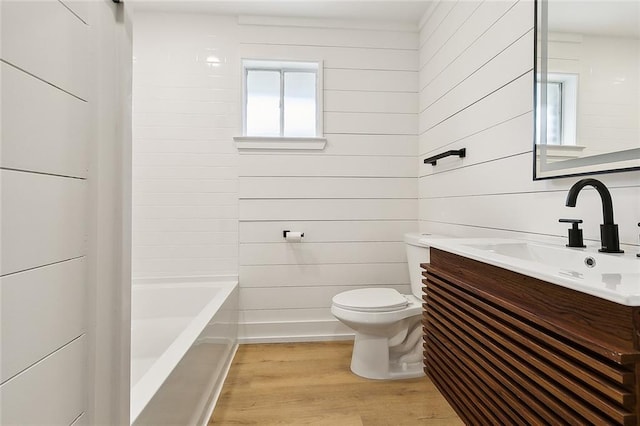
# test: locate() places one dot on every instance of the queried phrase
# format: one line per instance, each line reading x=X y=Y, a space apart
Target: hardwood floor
x=311 y=383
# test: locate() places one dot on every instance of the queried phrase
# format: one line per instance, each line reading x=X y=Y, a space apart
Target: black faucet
x=609 y=238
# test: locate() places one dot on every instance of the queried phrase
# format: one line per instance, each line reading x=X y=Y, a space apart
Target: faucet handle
x=574 y=221
x=575 y=233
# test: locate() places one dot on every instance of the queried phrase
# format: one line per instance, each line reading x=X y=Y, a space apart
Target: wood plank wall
x=46 y=133
x=353 y=200
x=476 y=91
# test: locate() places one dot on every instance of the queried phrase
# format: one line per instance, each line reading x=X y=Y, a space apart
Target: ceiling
x=614 y=18
x=370 y=10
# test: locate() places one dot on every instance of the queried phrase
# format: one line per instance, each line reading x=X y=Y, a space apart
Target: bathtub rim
x=147 y=386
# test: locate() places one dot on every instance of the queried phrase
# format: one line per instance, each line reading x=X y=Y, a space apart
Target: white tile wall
x=185 y=165
x=476 y=67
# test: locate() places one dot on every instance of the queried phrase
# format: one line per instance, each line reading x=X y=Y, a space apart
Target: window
x=561 y=100
x=281 y=99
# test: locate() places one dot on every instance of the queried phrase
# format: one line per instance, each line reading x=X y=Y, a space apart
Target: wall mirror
x=587 y=94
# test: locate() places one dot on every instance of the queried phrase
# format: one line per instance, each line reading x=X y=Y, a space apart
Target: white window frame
x=282 y=142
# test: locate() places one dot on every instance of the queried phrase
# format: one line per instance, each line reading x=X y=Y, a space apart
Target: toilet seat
x=371 y=300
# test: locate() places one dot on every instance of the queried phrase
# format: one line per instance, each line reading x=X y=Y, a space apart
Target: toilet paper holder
x=284 y=233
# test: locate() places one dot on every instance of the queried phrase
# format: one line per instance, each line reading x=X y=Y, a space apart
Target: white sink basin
x=577 y=261
x=615 y=277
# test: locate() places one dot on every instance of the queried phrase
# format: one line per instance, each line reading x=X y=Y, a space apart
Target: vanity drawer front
x=496 y=364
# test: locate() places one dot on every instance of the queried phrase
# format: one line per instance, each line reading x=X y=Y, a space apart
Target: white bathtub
x=183 y=337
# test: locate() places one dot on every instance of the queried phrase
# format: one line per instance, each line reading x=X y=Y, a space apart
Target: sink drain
x=589 y=261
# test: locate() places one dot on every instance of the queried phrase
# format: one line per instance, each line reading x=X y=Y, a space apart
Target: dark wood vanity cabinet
x=508 y=349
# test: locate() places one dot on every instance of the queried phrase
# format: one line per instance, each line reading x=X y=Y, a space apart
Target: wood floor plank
x=311 y=383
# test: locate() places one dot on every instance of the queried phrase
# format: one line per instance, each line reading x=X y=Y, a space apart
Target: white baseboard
x=293 y=339
x=289 y=331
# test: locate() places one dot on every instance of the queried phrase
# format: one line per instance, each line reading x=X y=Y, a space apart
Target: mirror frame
x=540 y=45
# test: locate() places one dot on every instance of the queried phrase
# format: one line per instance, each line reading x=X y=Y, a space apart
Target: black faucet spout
x=608 y=230
x=605 y=195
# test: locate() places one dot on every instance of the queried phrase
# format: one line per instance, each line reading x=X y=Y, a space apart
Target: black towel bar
x=459 y=152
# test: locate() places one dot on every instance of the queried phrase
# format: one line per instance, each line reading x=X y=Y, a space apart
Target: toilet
x=387 y=324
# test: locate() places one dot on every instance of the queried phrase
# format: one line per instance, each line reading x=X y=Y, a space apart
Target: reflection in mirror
x=587 y=87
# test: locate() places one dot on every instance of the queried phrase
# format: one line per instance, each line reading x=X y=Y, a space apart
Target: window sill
x=559 y=151
x=247 y=143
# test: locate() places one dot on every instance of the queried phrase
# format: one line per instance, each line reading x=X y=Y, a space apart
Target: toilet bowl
x=387 y=324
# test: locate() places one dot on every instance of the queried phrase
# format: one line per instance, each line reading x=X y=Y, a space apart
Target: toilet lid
x=371 y=300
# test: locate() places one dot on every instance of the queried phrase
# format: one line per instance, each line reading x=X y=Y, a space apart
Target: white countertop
x=613 y=277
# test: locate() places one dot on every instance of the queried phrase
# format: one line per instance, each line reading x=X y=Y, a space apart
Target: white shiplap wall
x=353 y=200
x=45 y=89
x=65 y=75
x=476 y=91
x=202 y=208
x=185 y=164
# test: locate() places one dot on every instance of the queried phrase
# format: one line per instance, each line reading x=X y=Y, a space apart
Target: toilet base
x=371 y=360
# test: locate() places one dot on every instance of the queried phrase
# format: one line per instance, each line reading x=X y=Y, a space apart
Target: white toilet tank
x=417 y=253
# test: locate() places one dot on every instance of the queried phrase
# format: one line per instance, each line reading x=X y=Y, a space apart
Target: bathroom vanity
x=506 y=347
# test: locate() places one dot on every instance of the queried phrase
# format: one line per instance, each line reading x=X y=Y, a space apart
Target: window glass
x=263 y=103
x=554 y=113
x=299 y=104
